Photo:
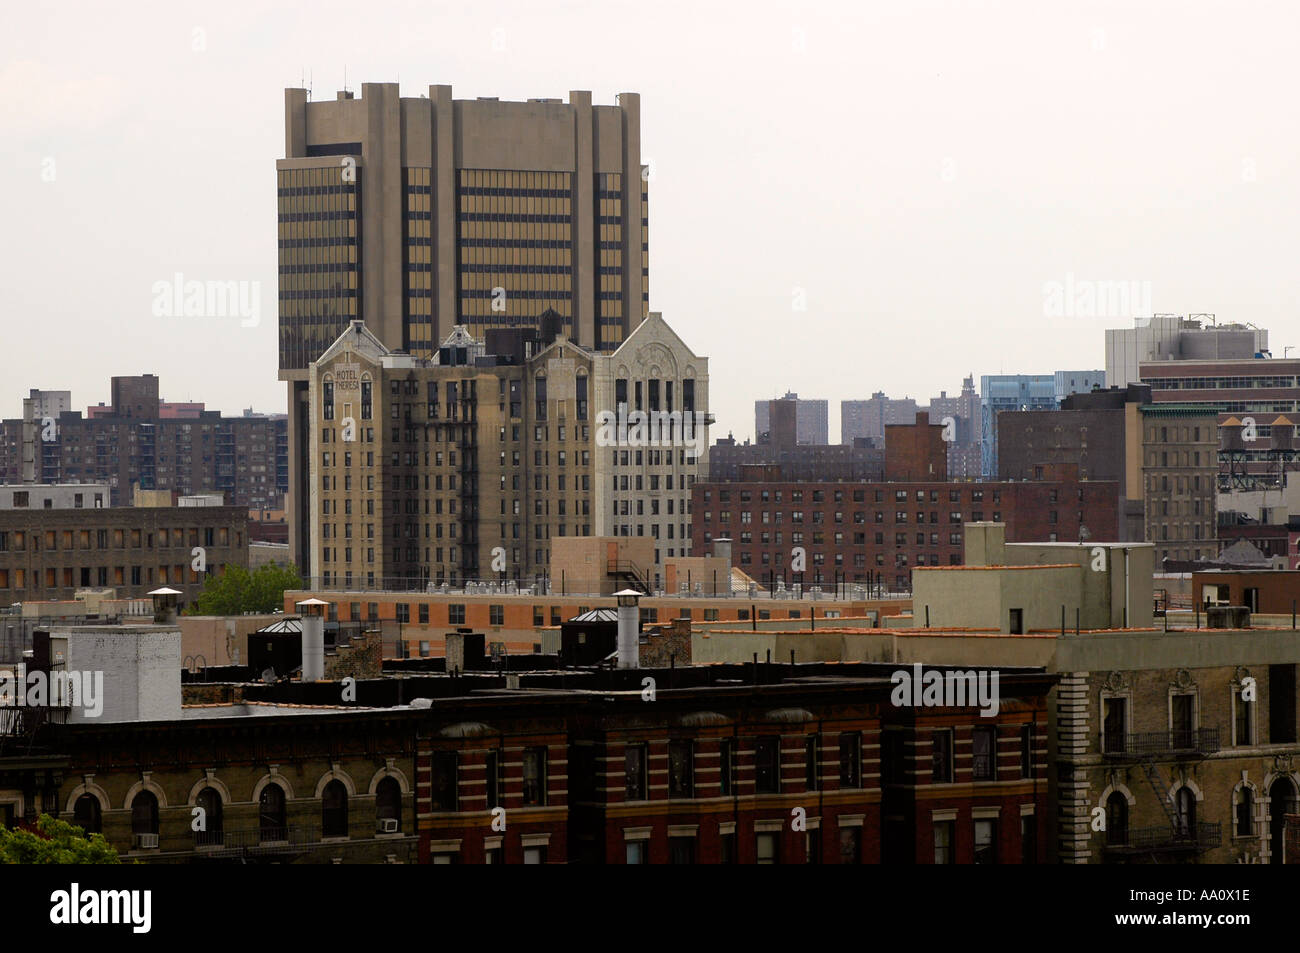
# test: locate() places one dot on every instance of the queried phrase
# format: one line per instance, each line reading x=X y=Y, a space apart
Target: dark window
x=1184 y=720
x=850 y=760
x=535 y=776
x=1026 y=751
x=271 y=814
x=728 y=848
x=1028 y=839
x=984 y=751
x=1245 y=813
x=1282 y=704
x=87 y=815
x=1113 y=726
x=334 y=810
x=492 y=769
x=456 y=613
x=726 y=767
x=144 y=813
x=810 y=762
x=767 y=765
x=388 y=805
x=941 y=757
x=634 y=757
x=681 y=850
x=496 y=615
x=1185 y=812
x=943 y=842
x=213 y=826
x=986 y=842
x=444 y=781
x=850 y=845
x=681 y=774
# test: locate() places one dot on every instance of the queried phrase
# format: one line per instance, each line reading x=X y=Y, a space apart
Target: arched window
x=1116 y=819
x=213 y=823
x=1185 y=804
x=271 y=814
x=388 y=806
x=334 y=810
x=86 y=814
x=1245 y=812
x=144 y=813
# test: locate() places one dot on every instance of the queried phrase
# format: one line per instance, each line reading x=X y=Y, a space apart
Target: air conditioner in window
x=387 y=825
x=146 y=841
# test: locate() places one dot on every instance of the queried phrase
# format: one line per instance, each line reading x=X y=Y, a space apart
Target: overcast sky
x=914 y=174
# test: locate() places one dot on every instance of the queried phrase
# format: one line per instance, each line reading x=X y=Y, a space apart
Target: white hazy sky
x=914 y=172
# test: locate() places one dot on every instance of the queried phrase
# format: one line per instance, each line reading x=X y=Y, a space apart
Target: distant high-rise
x=810 y=420
x=868 y=418
x=416 y=215
x=1172 y=337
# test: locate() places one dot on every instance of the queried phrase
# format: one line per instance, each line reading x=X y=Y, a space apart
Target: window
x=634 y=762
x=681 y=775
x=767 y=849
x=144 y=813
x=1245 y=813
x=456 y=613
x=943 y=842
x=496 y=615
x=1114 y=725
x=1183 y=715
x=388 y=804
x=984 y=750
x=1028 y=839
x=851 y=760
x=492 y=771
x=334 y=810
x=271 y=814
x=444 y=781
x=534 y=855
x=1026 y=751
x=1185 y=812
x=535 y=776
x=681 y=850
x=986 y=840
x=1242 y=719
x=850 y=845
x=941 y=756
x=726 y=760
x=767 y=765
x=810 y=763
x=1116 y=819
x=87 y=814
x=636 y=852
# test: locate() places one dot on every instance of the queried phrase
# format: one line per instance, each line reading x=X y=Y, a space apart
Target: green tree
x=55 y=842
x=237 y=590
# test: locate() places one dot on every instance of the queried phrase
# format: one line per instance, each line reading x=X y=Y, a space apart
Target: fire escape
x=1182 y=835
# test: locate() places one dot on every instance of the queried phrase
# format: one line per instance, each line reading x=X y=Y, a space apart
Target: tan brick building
x=466 y=466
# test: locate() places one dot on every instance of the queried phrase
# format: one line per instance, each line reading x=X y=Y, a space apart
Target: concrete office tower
x=418 y=214
x=810 y=421
x=1171 y=337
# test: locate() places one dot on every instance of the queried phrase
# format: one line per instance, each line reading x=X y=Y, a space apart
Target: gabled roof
x=654 y=324
x=359 y=339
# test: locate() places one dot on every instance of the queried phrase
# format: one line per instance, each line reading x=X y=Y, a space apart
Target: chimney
x=629 y=628
x=313 y=638
x=164 y=606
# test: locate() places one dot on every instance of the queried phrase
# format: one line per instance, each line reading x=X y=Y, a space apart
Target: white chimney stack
x=629 y=628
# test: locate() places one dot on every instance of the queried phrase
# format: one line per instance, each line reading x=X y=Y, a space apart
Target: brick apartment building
x=141 y=441
x=876 y=532
x=754 y=764
x=1164 y=457
x=51 y=553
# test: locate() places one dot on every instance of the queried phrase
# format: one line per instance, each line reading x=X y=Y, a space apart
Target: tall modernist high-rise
x=419 y=214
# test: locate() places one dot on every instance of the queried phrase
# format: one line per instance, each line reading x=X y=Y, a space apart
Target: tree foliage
x=237 y=590
x=55 y=842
